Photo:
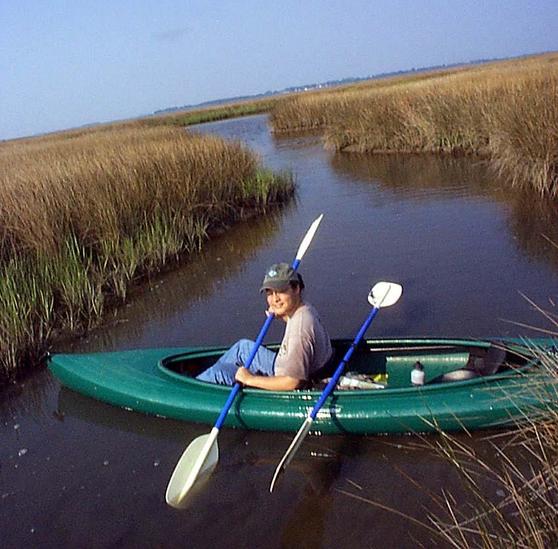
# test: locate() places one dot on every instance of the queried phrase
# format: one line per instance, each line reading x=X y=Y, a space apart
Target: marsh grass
x=198 y=116
x=507 y=112
x=509 y=495
x=83 y=216
x=526 y=477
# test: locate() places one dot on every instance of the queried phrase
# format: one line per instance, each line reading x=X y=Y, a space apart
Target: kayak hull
x=159 y=382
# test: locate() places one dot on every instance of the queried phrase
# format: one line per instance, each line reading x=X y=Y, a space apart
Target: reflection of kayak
x=468 y=384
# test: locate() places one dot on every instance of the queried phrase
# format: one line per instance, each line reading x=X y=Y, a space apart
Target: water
x=76 y=472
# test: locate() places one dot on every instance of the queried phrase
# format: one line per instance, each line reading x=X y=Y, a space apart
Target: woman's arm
x=270 y=383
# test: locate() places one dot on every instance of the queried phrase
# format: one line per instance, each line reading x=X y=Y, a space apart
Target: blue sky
x=68 y=63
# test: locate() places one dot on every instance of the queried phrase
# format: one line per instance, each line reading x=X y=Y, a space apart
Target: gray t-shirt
x=306 y=346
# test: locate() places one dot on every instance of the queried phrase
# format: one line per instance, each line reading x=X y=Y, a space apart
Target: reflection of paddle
x=383 y=294
x=201 y=456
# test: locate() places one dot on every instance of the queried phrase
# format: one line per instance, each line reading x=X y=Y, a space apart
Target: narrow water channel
x=76 y=472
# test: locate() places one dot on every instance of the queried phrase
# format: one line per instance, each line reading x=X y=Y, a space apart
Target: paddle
x=201 y=456
x=383 y=294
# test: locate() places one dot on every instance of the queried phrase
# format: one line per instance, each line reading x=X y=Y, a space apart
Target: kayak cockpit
x=385 y=366
x=379 y=364
x=192 y=363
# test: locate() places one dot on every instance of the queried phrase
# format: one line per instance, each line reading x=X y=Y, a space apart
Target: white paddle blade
x=196 y=464
x=308 y=238
x=384 y=294
x=291 y=450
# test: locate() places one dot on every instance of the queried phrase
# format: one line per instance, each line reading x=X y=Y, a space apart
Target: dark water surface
x=79 y=473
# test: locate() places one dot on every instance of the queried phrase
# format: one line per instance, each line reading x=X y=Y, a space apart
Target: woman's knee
x=244 y=347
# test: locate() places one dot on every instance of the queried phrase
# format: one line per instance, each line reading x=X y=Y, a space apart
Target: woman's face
x=283 y=303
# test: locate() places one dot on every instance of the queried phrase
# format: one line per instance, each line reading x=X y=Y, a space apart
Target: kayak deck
x=160 y=382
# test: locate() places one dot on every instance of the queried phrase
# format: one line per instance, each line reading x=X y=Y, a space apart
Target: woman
x=305 y=348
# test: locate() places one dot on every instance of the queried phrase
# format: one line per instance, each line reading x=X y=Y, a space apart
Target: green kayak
x=468 y=384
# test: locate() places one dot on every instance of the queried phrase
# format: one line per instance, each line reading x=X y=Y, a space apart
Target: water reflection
x=416 y=177
x=310 y=512
x=74 y=406
x=428 y=178
x=31 y=397
x=534 y=224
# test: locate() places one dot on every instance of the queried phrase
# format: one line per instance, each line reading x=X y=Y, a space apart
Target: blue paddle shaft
x=335 y=378
x=256 y=346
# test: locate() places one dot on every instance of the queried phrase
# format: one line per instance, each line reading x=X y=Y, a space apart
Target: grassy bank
x=505 y=111
x=222 y=112
x=170 y=119
x=82 y=216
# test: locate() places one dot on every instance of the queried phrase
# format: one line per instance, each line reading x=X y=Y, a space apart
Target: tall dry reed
x=524 y=132
x=81 y=216
x=507 y=112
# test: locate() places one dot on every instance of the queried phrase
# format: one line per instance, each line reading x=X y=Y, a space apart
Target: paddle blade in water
x=291 y=451
x=195 y=465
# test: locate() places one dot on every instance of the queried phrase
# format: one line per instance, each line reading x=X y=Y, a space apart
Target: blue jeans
x=224 y=370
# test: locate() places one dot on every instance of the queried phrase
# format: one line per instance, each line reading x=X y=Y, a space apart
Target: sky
x=64 y=64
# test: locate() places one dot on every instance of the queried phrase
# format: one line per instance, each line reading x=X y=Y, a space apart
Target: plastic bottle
x=417 y=374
